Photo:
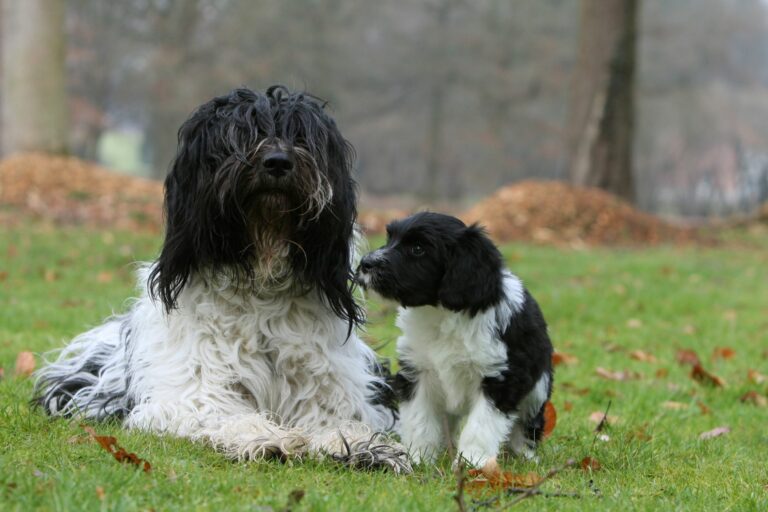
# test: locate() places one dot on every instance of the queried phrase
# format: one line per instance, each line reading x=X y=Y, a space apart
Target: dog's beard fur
x=273 y=211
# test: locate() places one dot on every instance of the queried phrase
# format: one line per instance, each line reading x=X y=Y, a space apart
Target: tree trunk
x=601 y=120
x=34 y=100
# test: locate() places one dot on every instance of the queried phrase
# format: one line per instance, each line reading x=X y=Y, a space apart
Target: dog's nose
x=366 y=264
x=277 y=163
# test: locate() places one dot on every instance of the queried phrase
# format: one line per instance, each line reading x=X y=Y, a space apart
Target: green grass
x=55 y=283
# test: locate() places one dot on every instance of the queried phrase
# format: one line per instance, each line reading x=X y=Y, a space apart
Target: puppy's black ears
x=472 y=279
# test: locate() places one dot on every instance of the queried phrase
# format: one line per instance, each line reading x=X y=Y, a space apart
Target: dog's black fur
x=240 y=157
x=432 y=259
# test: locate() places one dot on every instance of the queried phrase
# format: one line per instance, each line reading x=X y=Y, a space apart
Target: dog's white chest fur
x=452 y=351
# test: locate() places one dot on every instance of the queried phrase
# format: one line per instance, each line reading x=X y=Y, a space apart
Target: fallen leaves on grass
x=25 y=364
x=491 y=476
x=724 y=353
x=568 y=406
x=589 y=464
x=602 y=419
x=120 y=454
x=572 y=388
x=702 y=376
x=634 y=323
x=754 y=398
x=755 y=377
x=716 y=432
x=640 y=355
x=617 y=375
x=2 y=373
x=674 y=406
x=662 y=373
x=559 y=358
x=703 y=407
x=100 y=493
x=686 y=356
x=550 y=419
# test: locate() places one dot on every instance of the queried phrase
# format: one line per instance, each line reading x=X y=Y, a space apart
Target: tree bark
x=602 y=114
x=34 y=100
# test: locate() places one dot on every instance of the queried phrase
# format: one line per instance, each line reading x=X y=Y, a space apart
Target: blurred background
x=663 y=103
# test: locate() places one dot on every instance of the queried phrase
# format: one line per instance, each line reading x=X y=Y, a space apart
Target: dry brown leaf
x=689 y=329
x=716 y=432
x=550 y=419
x=104 y=277
x=640 y=355
x=703 y=407
x=686 y=356
x=634 y=323
x=25 y=364
x=120 y=454
x=50 y=275
x=674 y=406
x=2 y=373
x=571 y=388
x=491 y=476
x=559 y=358
x=3 y=275
x=618 y=376
x=755 y=377
x=725 y=353
x=662 y=373
x=100 y=493
x=600 y=417
x=567 y=406
x=589 y=464
x=702 y=376
x=754 y=398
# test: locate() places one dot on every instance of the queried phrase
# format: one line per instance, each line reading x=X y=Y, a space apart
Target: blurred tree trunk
x=601 y=119
x=34 y=100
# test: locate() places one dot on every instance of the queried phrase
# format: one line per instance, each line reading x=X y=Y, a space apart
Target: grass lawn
x=601 y=304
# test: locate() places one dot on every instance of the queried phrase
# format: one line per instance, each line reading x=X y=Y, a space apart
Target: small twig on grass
x=458 y=471
x=601 y=425
x=461 y=479
x=534 y=490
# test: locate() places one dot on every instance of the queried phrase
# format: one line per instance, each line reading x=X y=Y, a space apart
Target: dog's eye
x=417 y=250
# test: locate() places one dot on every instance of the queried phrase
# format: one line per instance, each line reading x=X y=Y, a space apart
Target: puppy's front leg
x=421 y=423
x=484 y=432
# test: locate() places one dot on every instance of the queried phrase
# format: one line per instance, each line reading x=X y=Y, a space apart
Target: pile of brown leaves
x=69 y=191
x=556 y=213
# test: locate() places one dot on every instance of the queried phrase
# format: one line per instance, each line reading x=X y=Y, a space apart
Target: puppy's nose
x=277 y=163
x=367 y=263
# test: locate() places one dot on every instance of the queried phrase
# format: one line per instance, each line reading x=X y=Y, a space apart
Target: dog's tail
x=88 y=377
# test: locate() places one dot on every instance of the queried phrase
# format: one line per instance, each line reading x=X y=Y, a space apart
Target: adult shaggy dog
x=243 y=335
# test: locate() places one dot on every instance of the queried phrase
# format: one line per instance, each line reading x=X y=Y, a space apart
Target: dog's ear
x=329 y=243
x=472 y=279
x=195 y=230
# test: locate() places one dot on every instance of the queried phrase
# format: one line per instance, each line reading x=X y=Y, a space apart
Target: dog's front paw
x=376 y=452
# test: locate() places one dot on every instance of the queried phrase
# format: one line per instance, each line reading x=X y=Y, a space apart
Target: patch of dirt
x=556 y=213
x=70 y=191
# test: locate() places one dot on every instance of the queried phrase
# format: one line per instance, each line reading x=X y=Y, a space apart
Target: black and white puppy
x=474 y=343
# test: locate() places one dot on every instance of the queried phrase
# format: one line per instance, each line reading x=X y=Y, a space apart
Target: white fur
x=454 y=353
x=252 y=374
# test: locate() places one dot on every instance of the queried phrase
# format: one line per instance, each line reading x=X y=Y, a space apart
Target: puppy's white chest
x=451 y=352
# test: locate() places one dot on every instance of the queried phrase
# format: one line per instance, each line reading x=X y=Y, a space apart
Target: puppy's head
x=436 y=260
x=261 y=189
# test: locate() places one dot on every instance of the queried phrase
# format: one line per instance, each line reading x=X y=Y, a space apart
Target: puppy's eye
x=417 y=250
